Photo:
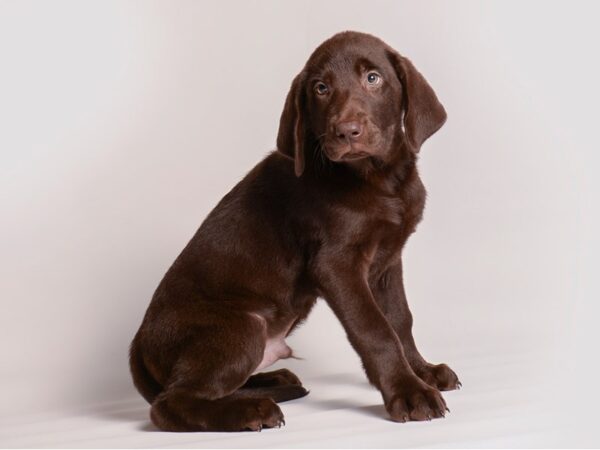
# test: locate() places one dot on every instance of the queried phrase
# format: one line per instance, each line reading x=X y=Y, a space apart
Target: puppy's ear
x=291 y=137
x=423 y=113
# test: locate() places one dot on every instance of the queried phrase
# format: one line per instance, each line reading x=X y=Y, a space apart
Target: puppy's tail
x=279 y=394
x=143 y=381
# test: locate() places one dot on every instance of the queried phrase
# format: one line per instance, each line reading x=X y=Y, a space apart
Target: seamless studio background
x=123 y=123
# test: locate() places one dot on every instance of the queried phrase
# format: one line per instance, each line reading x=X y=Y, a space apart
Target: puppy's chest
x=398 y=213
x=388 y=232
x=377 y=223
x=390 y=225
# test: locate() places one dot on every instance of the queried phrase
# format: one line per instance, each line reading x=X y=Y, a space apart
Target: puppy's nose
x=348 y=130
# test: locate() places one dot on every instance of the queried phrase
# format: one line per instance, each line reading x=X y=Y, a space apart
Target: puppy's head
x=357 y=100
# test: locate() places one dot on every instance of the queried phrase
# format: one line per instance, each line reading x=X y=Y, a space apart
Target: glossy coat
x=326 y=215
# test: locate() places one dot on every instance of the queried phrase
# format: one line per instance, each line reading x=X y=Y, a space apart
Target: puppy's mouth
x=350 y=152
x=353 y=156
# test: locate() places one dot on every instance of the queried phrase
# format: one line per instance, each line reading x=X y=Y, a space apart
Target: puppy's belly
x=275 y=349
x=275 y=346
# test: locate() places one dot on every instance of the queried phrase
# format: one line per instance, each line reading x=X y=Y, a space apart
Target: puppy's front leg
x=389 y=294
x=405 y=395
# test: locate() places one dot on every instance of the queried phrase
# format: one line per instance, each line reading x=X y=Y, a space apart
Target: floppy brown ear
x=423 y=113
x=291 y=136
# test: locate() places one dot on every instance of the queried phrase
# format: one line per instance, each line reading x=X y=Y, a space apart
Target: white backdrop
x=123 y=123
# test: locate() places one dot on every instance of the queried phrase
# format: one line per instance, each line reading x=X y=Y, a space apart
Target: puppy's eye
x=373 y=78
x=321 y=88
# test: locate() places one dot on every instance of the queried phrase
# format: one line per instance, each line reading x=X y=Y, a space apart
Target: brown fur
x=327 y=215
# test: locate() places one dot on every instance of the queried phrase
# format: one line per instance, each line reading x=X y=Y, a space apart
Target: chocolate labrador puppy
x=326 y=215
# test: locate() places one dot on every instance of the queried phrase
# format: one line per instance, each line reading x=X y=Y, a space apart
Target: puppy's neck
x=389 y=176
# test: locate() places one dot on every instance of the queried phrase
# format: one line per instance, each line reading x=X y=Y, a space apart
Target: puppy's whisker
x=318 y=151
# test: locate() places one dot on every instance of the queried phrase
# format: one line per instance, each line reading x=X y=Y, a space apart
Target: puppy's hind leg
x=202 y=394
x=183 y=409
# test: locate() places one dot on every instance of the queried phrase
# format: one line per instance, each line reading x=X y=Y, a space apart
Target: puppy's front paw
x=440 y=376
x=415 y=400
